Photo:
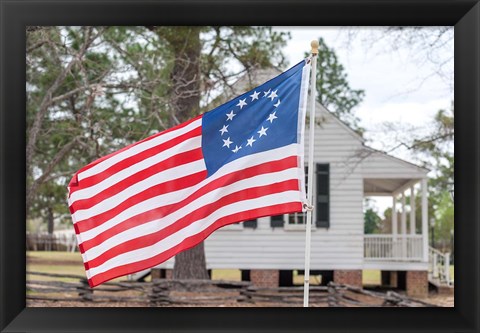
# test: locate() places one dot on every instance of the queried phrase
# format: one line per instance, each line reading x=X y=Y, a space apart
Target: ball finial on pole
x=314 y=45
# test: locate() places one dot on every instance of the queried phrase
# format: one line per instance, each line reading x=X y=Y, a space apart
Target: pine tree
x=334 y=91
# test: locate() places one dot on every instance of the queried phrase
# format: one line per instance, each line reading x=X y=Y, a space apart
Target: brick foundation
x=417 y=283
x=264 y=277
x=350 y=277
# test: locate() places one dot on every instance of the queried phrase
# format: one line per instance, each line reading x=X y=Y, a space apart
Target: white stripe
x=89 y=192
x=138 y=148
x=117 y=199
x=173 y=197
x=193 y=229
x=211 y=197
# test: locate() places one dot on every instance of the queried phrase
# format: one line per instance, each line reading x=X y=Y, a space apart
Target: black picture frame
x=17 y=14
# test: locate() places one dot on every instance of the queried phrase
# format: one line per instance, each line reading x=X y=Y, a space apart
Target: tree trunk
x=185 y=101
x=185 y=76
x=190 y=264
x=50 y=228
x=50 y=221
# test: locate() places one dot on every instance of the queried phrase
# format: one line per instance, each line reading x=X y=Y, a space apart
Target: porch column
x=404 y=227
x=394 y=227
x=412 y=211
x=394 y=216
x=425 y=219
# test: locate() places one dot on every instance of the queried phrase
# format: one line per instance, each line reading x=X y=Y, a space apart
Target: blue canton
x=261 y=119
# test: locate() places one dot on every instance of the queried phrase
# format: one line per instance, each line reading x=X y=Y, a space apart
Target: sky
x=399 y=86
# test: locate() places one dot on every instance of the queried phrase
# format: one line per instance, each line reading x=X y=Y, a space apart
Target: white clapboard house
x=268 y=250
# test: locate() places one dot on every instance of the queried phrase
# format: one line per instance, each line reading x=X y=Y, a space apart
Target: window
x=322 y=204
x=250 y=224
x=297 y=218
x=277 y=221
x=321 y=199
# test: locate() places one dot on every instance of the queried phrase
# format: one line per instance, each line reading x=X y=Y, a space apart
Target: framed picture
x=17 y=15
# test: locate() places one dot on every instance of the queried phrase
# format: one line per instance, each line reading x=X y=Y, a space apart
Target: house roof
x=399 y=160
x=257 y=76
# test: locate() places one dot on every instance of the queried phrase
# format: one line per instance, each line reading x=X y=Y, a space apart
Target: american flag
x=138 y=207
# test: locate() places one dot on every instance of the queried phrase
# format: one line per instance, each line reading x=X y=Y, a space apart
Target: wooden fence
x=166 y=292
x=51 y=242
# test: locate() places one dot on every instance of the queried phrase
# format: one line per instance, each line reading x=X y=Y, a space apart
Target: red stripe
x=131 y=160
x=73 y=182
x=193 y=241
x=201 y=213
x=162 y=188
x=174 y=161
x=156 y=213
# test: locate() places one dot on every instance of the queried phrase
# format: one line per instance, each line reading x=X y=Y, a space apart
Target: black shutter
x=276 y=221
x=250 y=224
x=322 y=206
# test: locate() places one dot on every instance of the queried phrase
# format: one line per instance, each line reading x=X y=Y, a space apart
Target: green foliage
x=371 y=221
x=119 y=91
x=436 y=151
x=334 y=91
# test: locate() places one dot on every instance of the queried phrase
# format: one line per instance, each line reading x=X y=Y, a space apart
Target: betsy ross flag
x=138 y=207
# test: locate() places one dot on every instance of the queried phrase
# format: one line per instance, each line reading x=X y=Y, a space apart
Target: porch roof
x=386 y=186
x=384 y=174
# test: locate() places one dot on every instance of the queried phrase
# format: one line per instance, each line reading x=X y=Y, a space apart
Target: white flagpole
x=308 y=228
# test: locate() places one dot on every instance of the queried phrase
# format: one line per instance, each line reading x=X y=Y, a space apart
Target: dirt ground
x=187 y=299
x=433 y=298
x=441 y=300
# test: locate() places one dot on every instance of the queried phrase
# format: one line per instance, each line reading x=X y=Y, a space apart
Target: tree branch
x=47 y=100
x=48 y=170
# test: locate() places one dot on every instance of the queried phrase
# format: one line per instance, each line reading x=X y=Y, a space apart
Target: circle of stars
x=228 y=143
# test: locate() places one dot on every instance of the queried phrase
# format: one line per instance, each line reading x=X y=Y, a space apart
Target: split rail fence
x=166 y=292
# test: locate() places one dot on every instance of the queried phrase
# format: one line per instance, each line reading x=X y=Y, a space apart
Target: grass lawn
x=226 y=274
x=299 y=279
x=71 y=263
x=55 y=255
x=372 y=277
x=56 y=262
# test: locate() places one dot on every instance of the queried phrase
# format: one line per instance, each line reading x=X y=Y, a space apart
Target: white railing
x=439 y=266
x=393 y=248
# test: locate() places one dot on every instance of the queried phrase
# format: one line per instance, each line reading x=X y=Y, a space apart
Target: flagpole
x=308 y=229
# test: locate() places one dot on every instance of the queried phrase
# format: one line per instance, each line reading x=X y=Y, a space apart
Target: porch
x=406 y=244
x=393 y=248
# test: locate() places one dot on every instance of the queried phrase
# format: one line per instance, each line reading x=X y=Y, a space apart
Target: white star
x=265 y=93
x=241 y=103
x=262 y=131
x=272 y=117
x=250 y=141
x=254 y=96
x=277 y=104
x=237 y=148
x=227 y=142
x=224 y=129
x=273 y=94
x=230 y=115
